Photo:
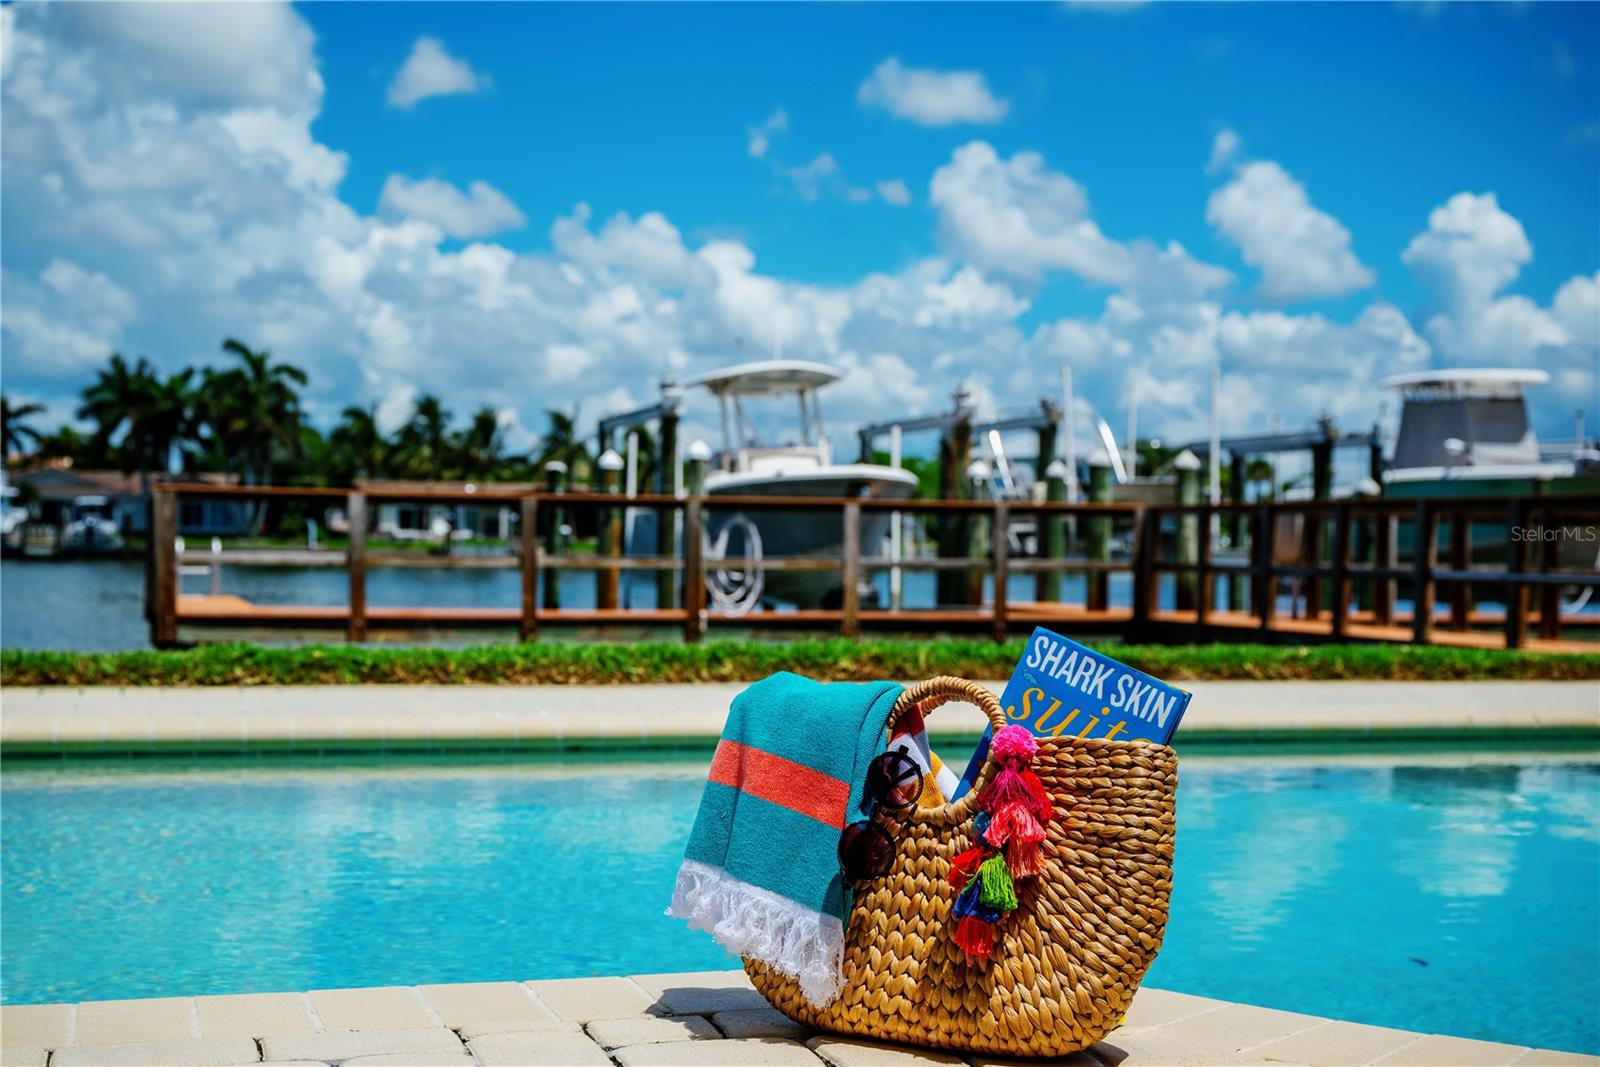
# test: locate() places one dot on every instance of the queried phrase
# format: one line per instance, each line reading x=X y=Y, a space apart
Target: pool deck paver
x=316 y=718
x=665 y=1020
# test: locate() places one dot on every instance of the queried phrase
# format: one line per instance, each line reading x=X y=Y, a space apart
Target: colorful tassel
x=970 y=902
x=964 y=866
x=980 y=823
x=1014 y=742
x=998 y=892
x=1007 y=787
x=1043 y=810
x=1014 y=822
x=975 y=937
x=1024 y=858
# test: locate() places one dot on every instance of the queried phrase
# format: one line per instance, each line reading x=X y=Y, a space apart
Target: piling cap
x=1368 y=487
x=1099 y=458
x=609 y=460
x=1057 y=470
x=699 y=451
x=555 y=466
x=1186 y=461
x=977 y=471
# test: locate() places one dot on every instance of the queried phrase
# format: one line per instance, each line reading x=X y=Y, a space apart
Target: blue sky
x=1382 y=111
x=1088 y=213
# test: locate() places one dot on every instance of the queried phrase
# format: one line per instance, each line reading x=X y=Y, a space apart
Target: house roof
x=59 y=482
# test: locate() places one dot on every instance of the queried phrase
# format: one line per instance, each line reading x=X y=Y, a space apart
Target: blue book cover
x=1063 y=688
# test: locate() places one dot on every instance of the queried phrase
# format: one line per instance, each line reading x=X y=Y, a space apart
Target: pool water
x=1458 y=897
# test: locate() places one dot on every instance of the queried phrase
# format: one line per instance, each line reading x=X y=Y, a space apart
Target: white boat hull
x=808 y=534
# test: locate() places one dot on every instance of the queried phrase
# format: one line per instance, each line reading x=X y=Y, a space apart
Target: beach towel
x=761 y=870
x=910 y=736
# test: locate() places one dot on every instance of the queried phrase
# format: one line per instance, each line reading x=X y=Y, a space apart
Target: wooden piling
x=1000 y=550
x=850 y=573
x=1053 y=534
x=356 y=511
x=1236 y=526
x=1097 y=582
x=164 y=563
x=1460 y=560
x=608 y=542
x=1423 y=591
x=1516 y=566
x=1384 y=558
x=1266 y=581
x=694 y=578
x=528 y=563
x=1341 y=569
x=666 y=520
x=555 y=542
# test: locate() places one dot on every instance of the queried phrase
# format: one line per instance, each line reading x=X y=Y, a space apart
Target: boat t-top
x=749 y=465
x=1470 y=425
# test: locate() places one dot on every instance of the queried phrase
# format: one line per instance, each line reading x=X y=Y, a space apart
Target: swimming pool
x=1454 y=895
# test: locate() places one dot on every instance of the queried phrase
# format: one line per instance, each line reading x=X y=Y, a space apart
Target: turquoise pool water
x=1458 y=897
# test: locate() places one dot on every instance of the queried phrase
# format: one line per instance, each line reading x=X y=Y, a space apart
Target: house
x=423 y=519
x=53 y=488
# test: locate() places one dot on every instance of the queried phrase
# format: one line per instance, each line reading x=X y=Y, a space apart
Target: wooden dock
x=1342 y=572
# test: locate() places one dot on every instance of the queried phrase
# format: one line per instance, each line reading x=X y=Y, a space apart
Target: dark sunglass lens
x=865 y=851
x=894 y=780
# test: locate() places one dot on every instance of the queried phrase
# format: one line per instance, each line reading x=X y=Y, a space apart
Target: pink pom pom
x=1013 y=742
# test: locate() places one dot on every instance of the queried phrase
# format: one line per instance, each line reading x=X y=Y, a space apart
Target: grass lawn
x=554 y=663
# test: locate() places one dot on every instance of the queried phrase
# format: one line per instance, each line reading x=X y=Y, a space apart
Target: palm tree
x=252 y=411
x=561 y=442
x=1257 y=472
x=151 y=415
x=422 y=445
x=15 y=433
x=480 y=448
x=356 y=448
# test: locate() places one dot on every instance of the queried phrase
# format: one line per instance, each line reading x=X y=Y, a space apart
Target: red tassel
x=975 y=936
x=964 y=866
x=1042 y=808
x=1009 y=786
x=1024 y=858
x=1012 y=822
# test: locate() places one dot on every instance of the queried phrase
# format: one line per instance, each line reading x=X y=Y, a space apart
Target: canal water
x=98 y=605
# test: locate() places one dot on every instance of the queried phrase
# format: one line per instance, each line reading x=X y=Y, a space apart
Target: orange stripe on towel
x=785 y=782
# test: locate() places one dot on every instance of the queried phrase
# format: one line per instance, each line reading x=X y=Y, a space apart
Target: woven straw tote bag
x=1065 y=963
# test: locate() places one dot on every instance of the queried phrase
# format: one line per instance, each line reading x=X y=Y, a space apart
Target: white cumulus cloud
x=431 y=71
x=760 y=135
x=894 y=191
x=480 y=211
x=1303 y=253
x=931 y=97
x=1019 y=217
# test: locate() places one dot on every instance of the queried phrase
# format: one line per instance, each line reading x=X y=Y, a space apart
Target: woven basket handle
x=936 y=691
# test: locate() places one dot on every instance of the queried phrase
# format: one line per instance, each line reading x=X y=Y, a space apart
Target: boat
x=749 y=465
x=90 y=525
x=1465 y=432
x=13 y=517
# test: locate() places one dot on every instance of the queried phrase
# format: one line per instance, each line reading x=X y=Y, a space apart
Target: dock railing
x=1344 y=571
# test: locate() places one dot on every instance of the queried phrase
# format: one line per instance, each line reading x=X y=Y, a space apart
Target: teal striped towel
x=761 y=871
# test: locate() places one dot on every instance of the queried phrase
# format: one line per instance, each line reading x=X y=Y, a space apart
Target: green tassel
x=998 y=892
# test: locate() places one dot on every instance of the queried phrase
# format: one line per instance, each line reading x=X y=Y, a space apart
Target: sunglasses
x=894 y=782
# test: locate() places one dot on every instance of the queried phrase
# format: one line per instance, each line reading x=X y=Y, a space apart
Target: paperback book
x=1063 y=688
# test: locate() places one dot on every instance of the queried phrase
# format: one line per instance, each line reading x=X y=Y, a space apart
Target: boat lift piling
x=555 y=483
x=608 y=540
x=955 y=536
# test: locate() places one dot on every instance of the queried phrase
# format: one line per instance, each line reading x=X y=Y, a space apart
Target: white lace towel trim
x=745 y=919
